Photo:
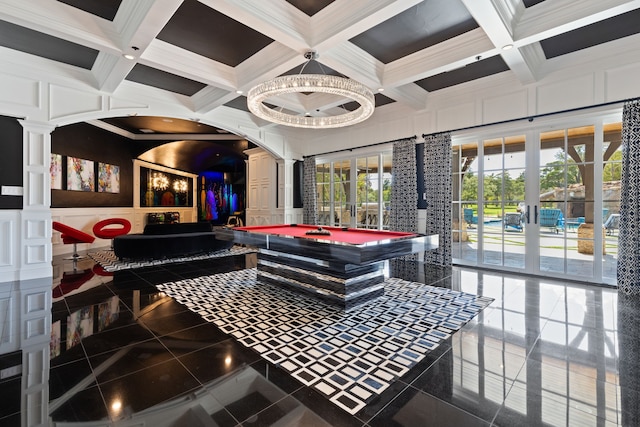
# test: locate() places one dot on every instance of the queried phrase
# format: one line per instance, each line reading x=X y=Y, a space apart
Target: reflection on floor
x=543 y=353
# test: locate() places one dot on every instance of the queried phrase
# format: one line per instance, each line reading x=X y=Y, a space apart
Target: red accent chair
x=103 y=229
x=73 y=236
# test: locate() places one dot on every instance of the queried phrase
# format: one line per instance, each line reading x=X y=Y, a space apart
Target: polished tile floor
x=543 y=353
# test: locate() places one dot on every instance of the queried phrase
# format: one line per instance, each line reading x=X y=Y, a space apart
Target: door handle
x=526 y=215
x=535 y=214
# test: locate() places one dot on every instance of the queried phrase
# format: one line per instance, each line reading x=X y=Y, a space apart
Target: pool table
x=342 y=266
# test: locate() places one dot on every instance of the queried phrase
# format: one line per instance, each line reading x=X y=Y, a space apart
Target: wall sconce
x=180 y=186
x=159 y=181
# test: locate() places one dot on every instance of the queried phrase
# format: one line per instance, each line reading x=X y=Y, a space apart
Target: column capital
x=37 y=126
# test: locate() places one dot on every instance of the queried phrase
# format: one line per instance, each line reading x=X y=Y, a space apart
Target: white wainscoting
x=84 y=218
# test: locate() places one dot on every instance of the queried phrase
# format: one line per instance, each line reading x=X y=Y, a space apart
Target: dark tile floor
x=543 y=353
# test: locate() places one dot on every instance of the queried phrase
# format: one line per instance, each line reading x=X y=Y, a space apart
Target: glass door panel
x=359 y=199
x=465 y=166
x=565 y=209
x=368 y=192
x=502 y=219
x=342 y=193
x=323 y=193
x=550 y=209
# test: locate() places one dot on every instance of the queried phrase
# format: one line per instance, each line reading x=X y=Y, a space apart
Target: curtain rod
x=531 y=118
x=361 y=146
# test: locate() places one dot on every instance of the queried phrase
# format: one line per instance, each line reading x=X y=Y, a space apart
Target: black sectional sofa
x=169 y=240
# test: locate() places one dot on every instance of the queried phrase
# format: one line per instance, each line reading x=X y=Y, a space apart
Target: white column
x=34 y=293
x=35 y=230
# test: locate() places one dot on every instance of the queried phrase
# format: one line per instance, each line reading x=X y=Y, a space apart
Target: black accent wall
x=10 y=160
x=88 y=142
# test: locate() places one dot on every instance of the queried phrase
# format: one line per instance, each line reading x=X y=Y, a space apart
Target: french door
x=532 y=201
x=354 y=192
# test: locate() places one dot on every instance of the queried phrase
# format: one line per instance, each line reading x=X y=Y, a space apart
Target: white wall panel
x=65 y=102
x=19 y=91
x=36 y=254
x=115 y=104
x=504 y=107
x=565 y=94
x=8 y=240
x=622 y=83
x=458 y=116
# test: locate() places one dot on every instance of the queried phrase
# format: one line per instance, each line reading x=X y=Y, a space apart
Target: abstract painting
x=55 y=169
x=108 y=178
x=80 y=175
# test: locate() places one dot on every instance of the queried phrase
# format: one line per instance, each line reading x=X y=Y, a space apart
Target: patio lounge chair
x=551 y=218
x=612 y=224
x=469 y=218
x=513 y=220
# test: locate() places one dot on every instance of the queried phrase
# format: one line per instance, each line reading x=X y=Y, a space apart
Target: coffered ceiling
x=214 y=51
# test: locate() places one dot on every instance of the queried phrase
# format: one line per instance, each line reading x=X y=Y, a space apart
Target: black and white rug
x=110 y=262
x=347 y=356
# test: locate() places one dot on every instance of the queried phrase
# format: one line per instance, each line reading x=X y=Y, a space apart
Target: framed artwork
x=55 y=169
x=108 y=178
x=80 y=174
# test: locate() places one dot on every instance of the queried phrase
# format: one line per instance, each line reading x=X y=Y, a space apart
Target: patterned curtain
x=629 y=235
x=437 y=185
x=403 y=212
x=310 y=202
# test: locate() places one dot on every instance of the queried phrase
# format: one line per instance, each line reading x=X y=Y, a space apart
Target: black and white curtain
x=629 y=236
x=310 y=201
x=403 y=214
x=437 y=186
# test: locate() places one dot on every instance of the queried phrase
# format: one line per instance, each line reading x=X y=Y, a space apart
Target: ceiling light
x=380 y=89
x=129 y=56
x=311 y=83
x=507 y=47
x=239 y=92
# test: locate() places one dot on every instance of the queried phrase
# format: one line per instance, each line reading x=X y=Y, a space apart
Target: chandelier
x=180 y=186
x=311 y=83
x=159 y=181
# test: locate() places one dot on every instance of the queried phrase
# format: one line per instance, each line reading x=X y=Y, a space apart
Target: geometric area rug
x=348 y=356
x=110 y=262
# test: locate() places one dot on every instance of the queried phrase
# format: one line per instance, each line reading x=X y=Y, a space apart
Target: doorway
x=354 y=192
x=531 y=201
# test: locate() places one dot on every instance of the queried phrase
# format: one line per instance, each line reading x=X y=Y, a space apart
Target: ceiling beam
x=491 y=21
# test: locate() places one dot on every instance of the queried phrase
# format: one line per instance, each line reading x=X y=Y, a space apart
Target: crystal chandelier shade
x=312 y=83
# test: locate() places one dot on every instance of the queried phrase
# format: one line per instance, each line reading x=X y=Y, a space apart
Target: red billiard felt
x=354 y=236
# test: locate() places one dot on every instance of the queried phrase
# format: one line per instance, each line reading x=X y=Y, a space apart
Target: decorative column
x=35 y=273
